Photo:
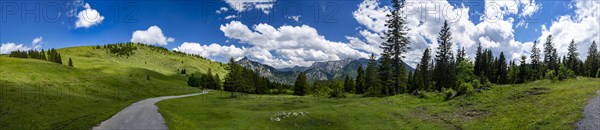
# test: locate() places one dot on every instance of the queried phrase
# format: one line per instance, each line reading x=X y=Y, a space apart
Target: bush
x=466 y=88
x=598 y=74
x=450 y=93
x=551 y=75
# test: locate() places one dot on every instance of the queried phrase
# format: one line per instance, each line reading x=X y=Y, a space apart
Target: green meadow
x=541 y=104
x=37 y=94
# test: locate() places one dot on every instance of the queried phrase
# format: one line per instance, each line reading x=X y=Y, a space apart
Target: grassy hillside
x=36 y=94
x=537 y=105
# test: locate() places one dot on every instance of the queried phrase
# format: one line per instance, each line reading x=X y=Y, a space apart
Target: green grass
x=36 y=94
x=536 y=105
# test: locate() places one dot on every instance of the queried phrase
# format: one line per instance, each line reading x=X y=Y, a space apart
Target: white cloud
x=37 y=42
x=293 y=45
x=425 y=18
x=214 y=50
x=152 y=36
x=231 y=17
x=583 y=27
x=244 y=5
x=295 y=18
x=88 y=17
x=6 y=48
x=222 y=10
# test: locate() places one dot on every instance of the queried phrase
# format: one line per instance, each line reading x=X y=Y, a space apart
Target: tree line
x=244 y=80
x=442 y=71
x=51 y=55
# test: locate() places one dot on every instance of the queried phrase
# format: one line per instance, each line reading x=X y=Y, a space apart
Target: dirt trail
x=591 y=115
x=140 y=115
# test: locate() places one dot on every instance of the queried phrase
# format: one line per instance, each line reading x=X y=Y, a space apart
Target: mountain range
x=325 y=70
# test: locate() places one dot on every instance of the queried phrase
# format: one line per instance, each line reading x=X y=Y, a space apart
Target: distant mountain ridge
x=325 y=70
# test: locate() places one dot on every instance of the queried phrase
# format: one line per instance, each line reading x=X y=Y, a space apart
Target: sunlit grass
x=537 y=105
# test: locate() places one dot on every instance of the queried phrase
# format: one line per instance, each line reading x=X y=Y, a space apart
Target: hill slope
x=36 y=94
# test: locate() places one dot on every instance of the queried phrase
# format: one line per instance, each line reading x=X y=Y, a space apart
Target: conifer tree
x=444 y=66
x=573 y=57
x=550 y=56
x=502 y=69
x=348 y=85
x=536 y=67
x=385 y=73
x=360 y=80
x=70 y=62
x=300 y=85
x=523 y=75
x=396 y=43
x=423 y=75
x=592 y=61
x=373 y=80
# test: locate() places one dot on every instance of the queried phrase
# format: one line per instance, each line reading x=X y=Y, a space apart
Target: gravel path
x=591 y=115
x=140 y=115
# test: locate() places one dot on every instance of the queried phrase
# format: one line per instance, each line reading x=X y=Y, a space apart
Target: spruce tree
x=461 y=56
x=385 y=74
x=536 y=67
x=523 y=70
x=502 y=69
x=550 y=56
x=70 y=62
x=478 y=61
x=424 y=73
x=348 y=85
x=360 y=80
x=443 y=67
x=592 y=61
x=232 y=79
x=373 y=80
x=396 y=43
x=573 y=57
x=300 y=85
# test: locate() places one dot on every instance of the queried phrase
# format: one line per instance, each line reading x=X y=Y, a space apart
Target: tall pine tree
x=536 y=66
x=300 y=85
x=572 y=57
x=360 y=80
x=592 y=62
x=423 y=74
x=502 y=69
x=396 y=43
x=443 y=74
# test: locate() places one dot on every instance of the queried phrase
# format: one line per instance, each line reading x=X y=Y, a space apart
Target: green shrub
x=598 y=74
x=551 y=75
x=466 y=88
x=449 y=93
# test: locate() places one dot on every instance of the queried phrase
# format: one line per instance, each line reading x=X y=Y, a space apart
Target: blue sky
x=324 y=30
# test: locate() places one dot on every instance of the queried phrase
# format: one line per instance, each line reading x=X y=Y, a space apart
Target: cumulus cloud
x=222 y=10
x=6 y=48
x=88 y=17
x=211 y=51
x=293 y=45
x=152 y=36
x=244 y=5
x=37 y=42
x=494 y=31
x=585 y=23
